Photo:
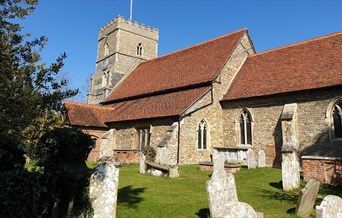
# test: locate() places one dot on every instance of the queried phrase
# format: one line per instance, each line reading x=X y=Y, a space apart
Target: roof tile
x=312 y=64
x=195 y=65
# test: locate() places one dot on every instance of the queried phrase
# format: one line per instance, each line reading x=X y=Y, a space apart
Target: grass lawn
x=149 y=196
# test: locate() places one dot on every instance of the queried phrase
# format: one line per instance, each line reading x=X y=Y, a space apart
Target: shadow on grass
x=278 y=185
x=290 y=197
x=130 y=196
x=203 y=213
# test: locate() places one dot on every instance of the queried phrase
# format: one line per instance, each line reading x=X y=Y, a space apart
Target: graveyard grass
x=149 y=196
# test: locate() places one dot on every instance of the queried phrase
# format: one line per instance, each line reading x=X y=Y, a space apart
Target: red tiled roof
x=312 y=64
x=86 y=114
x=164 y=105
x=195 y=65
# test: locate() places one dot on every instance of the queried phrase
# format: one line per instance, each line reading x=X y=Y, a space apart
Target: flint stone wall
x=312 y=130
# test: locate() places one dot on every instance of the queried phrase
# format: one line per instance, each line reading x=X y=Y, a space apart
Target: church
x=218 y=95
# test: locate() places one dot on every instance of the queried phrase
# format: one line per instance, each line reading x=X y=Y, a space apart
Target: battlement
x=127 y=25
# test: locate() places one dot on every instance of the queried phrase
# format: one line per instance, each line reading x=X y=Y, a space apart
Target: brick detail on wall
x=325 y=170
x=127 y=156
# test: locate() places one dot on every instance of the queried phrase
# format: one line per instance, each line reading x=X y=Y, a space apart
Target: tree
x=29 y=89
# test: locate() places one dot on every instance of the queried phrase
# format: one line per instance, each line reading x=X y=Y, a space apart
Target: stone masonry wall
x=212 y=114
x=122 y=38
x=313 y=129
x=233 y=65
x=126 y=133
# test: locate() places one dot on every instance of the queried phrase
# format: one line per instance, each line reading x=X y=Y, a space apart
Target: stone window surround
x=238 y=132
x=147 y=129
x=203 y=125
x=140 y=49
x=329 y=118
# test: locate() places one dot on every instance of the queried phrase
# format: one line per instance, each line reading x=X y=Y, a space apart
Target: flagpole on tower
x=131 y=10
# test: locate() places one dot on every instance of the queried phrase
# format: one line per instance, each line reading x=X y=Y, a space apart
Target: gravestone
x=261 y=158
x=290 y=166
x=307 y=198
x=215 y=154
x=218 y=162
x=221 y=189
x=142 y=164
x=330 y=207
x=251 y=162
x=103 y=189
x=241 y=209
x=290 y=171
x=173 y=172
x=107 y=142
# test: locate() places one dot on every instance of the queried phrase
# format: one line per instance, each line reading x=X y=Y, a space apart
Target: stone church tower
x=122 y=45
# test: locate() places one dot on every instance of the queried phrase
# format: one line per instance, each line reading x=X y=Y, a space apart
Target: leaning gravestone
x=261 y=158
x=307 y=198
x=251 y=162
x=330 y=207
x=103 y=189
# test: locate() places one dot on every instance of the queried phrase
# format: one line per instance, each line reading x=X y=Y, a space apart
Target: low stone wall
x=127 y=156
x=327 y=170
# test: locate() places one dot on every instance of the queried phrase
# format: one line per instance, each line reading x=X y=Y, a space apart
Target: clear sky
x=72 y=25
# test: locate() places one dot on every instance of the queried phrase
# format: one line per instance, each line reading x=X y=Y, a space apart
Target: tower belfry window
x=139 y=49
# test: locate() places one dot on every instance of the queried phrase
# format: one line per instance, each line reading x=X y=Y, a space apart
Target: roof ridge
x=193 y=46
x=297 y=43
x=88 y=105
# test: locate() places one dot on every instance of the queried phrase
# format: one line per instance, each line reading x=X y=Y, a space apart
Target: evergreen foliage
x=29 y=89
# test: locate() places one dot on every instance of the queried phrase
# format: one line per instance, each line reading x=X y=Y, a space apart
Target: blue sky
x=72 y=25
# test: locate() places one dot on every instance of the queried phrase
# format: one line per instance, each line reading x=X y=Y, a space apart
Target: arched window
x=245 y=122
x=106 y=49
x=139 y=49
x=202 y=135
x=337 y=121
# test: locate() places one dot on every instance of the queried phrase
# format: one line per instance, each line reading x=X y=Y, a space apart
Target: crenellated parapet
x=120 y=23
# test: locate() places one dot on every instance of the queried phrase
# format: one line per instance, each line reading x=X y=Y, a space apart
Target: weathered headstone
x=107 y=142
x=251 y=162
x=240 y=209
x=290 y=162
x=215 y=154
x=290 y=170
x=222 y=195
x=173 y=172
x=221 y=189
x=142 y=165
x=103 y=189
x=307 y=198
x=330 y=207
x=218 y=162
x=261 y=158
